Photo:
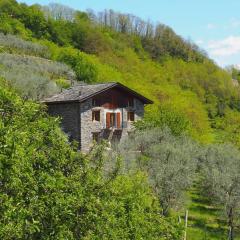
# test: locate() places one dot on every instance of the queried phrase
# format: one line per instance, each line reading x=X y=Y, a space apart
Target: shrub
x=170 y=162
x=12 y=42
x=220 y=168
x=83 y=67
x=49 y=191
x=165 y=117
x=10 y=25
x=33 y=77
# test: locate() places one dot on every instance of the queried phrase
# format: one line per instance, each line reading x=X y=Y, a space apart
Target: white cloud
x=199 y=42
x=211 y=26
x=237 y=66
x=225 y=47
x=235 y=23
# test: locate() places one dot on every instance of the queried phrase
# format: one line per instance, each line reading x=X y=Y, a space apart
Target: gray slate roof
x=81 y=92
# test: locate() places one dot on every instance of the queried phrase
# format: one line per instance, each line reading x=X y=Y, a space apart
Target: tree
x=169 y=161
x=33 y=77
x=165 y=117
x=33 y=18
x=80 y=63
x=59 y=12
x=234 y=71
x=50 y=191
x=221 y=181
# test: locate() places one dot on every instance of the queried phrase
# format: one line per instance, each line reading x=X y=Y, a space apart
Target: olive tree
x=169 y=161
x=221 y=180
x=33 y=77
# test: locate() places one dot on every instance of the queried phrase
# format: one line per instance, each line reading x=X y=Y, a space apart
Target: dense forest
x=189 y=139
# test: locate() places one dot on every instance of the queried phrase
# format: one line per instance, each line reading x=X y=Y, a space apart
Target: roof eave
x=62 y=101
x=136 y=94
x=117 y=84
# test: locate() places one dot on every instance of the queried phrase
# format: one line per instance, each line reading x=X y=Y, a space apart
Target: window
x=96 y=136
x=130 y=102
x=96 y=116
x=96 y=102
x=131 y=116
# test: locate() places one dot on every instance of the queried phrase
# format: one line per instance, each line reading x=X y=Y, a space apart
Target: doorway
x=113 y=120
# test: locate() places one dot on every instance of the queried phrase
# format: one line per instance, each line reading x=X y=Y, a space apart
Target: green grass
x=205 y=221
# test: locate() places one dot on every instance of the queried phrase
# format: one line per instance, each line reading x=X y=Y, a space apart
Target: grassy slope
x=205 y=222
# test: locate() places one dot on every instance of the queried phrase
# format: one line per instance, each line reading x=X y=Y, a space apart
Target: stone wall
x=70 y=118
x=76 y=120
x=88 y=127
x=138 y=109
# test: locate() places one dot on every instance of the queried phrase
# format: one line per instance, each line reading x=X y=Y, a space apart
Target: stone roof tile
x=81 y=92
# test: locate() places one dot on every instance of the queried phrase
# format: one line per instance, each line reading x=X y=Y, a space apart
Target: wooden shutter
x=108 y=120
x=118 y=120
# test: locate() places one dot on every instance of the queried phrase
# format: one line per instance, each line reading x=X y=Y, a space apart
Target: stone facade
x=70 y=118
x=115 y=107
x=77 y=123
x=88 y=127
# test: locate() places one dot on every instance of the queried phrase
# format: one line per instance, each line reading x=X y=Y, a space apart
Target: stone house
x=96 y=111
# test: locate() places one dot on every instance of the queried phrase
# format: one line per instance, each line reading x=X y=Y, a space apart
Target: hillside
x=44 y=49
x=153 y=60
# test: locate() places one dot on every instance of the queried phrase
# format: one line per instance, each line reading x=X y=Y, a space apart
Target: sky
x=214 y=25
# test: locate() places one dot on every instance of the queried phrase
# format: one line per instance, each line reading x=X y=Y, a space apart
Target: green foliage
x=205 y=218
x=234 y=71
x=63 y=83
x=159 y=40
x=165 y=117
x=227 y=127
x=169 y=161
x=12 y=26
x=49 y=191
x=31 y=164
x=220 y=169
x=152 y=60
x=83 y=67
x=13 y=44
x=32 y=76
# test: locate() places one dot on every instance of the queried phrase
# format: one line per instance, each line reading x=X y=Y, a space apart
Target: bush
x=169 y=161
x=12 y=43
x=49 y=191
x=33 y=77
x=10 y=25
x=220 y=168
x=165 y=117
x=81 y=64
